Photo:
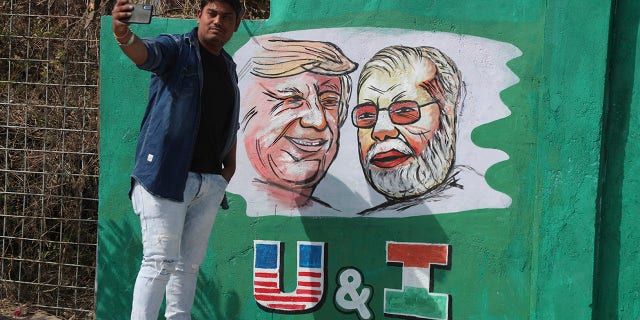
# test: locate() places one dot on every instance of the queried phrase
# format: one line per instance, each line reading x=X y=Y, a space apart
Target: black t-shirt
x=216 y=104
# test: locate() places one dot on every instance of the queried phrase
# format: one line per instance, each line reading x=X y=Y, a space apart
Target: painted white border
x=482 y=63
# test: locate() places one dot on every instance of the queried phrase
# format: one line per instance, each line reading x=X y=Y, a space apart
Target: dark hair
x=237 y=6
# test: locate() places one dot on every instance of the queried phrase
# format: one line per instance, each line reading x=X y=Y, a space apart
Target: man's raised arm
x=130 y=44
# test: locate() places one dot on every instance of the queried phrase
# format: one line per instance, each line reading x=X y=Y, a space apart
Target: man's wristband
x=118 y=37
x=129 y=42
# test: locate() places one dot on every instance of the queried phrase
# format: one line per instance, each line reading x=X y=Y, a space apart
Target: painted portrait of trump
x=291 y=116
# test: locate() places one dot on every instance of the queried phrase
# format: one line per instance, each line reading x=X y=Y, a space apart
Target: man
x=293 y=107
x=406 y=116
x=185 y=155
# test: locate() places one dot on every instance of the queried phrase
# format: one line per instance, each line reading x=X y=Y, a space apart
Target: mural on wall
x=292 y=112
x=319 y=225
x=268 y=276
x=334 y=123
x=399 y=146
x=407 y=98
x=415 y=299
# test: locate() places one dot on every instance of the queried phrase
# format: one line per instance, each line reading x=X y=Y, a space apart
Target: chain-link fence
x=48 y=154
x=49 y=111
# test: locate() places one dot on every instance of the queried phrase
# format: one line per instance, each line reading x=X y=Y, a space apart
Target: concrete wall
x=617 y=293
x=533 y=220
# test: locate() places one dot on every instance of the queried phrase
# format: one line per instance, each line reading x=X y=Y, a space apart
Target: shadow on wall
x=610 y=278
x=360 y=243
x=208 y=302
x=122 y=239
x=116 y=239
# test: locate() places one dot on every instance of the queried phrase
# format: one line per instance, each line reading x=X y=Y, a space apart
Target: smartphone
x=141 y=14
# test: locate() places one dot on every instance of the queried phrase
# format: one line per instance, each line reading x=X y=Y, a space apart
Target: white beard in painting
x=426 y=172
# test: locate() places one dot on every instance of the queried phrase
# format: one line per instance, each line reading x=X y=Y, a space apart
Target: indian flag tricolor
x=415 y=299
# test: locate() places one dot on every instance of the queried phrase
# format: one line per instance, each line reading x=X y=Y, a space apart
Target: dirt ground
x=13 y=311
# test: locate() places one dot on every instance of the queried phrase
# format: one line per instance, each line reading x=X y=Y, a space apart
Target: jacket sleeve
x=162 y=53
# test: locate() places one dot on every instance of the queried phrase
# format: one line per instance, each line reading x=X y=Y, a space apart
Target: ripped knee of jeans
x=188 y=268
x=158 y=267
x=165 y=266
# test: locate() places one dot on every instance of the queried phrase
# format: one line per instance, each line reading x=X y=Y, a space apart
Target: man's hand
x=229 y=163
x=131 y=45
x=228 y=173
x=121 y=10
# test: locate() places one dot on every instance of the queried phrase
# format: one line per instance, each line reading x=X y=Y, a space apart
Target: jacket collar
x=192 y=38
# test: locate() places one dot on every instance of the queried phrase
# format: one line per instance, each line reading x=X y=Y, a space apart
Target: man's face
x=291 y=133
x=394 y=142
x=217 y=22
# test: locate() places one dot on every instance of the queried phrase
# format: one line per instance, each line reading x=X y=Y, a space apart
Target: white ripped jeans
x=175 y=237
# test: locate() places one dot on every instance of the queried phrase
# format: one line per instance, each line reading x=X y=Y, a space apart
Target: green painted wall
x=617 y=285
x=571 y=212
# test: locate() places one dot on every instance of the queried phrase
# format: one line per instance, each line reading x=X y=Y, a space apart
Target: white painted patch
x=482 y=63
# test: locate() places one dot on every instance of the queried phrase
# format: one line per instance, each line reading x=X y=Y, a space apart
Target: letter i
x=416 y=299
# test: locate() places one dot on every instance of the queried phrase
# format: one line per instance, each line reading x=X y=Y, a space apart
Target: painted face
x=397 y=119
x=291 y=128
x=390 y=95
x=217 y=22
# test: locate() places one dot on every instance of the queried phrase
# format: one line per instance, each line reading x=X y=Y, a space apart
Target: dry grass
x=49 y=115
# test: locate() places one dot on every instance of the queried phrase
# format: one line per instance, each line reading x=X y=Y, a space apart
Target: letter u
x=268 y=275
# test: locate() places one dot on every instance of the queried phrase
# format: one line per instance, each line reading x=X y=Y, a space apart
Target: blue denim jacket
x=171 y=120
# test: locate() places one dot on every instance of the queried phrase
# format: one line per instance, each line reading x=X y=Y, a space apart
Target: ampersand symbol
x=350 y=282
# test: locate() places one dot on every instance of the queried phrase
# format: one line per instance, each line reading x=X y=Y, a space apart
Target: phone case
x=141 y=14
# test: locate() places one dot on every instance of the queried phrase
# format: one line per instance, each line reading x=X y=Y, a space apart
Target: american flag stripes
x=267 y=276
